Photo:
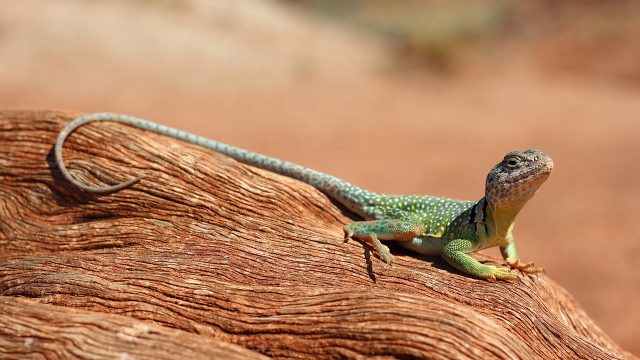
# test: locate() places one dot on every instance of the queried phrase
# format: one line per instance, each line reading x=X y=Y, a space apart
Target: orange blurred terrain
x=376 y=98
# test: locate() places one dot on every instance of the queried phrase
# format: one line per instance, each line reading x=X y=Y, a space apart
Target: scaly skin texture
x=425 y=224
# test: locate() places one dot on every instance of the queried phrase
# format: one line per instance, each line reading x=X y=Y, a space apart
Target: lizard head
x=517 y=177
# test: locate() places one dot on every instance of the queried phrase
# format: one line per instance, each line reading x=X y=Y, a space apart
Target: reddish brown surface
x=260 y=77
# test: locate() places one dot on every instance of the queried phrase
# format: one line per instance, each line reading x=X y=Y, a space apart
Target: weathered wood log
x=216 y=256
x=32 y=330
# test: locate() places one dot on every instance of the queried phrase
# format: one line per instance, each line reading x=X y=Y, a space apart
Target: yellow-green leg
x=454 y=253
x=389 y=229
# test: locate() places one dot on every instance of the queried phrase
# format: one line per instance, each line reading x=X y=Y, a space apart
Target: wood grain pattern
x=32 y=330
x=225 y=257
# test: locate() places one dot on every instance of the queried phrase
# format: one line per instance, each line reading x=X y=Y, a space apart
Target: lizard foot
x=497 y=273
x=347 y=234
x=386 y=256
x=381 y=249
x=527 y=268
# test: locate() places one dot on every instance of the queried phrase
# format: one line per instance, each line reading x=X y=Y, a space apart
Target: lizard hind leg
x=389 y=229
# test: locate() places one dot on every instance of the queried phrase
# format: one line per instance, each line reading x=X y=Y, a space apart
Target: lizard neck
x=500 y=216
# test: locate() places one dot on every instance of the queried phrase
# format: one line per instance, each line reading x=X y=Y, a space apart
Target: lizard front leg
x=388 y=229
x=454 y=253
x=510 y=255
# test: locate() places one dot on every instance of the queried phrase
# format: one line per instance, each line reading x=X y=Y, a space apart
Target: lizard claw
x=527 y=268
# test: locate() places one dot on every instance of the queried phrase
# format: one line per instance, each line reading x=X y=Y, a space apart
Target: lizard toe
x=527 y=268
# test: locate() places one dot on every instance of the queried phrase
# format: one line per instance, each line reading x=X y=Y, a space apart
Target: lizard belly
x=426 y=245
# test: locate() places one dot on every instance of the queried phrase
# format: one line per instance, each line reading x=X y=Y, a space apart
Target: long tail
x=353 y=197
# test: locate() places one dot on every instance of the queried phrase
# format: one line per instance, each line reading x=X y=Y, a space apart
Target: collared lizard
x=425 y=224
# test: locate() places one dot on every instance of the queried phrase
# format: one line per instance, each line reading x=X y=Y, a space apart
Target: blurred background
x=438 y=91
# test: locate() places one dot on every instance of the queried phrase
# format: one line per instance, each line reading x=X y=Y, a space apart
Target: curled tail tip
x=107 y=189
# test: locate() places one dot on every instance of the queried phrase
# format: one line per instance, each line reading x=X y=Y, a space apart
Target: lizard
x=428 y=225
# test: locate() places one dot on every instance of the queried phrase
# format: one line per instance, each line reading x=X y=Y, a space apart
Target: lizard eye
x=512 y=162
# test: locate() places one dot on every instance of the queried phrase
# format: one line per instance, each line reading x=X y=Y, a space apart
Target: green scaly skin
x=425 y=224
